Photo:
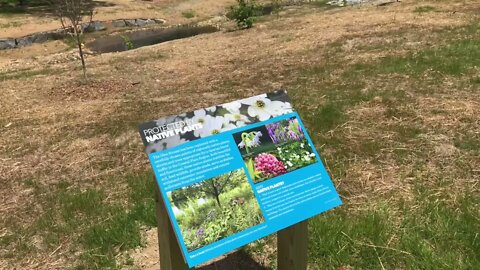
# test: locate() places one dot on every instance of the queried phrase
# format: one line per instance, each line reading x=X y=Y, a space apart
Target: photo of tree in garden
x=216 y=208
x=274 y=149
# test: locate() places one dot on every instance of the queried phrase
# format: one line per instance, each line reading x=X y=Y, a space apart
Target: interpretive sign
x=233 y=173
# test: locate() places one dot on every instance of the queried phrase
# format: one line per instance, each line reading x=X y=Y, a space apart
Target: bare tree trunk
x=80 y=50
x=216 y=193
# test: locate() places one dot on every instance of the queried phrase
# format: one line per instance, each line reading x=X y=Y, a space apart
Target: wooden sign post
x=291 y=244
x=292 y=247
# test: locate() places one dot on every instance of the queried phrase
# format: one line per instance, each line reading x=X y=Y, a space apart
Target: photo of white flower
x=227 y=127
x=211 y=109
x=232 y=107
x=167 y=120
x=237 y=118
x=264 y=108
x=165 y=144
x=211 y=126
x=199 y=116
x=221 y=118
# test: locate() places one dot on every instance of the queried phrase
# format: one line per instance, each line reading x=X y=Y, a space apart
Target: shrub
x=127 y=42
x=243 y=13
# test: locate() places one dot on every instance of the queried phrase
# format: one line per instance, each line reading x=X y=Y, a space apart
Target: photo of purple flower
x=200 y=232
x=285 y=148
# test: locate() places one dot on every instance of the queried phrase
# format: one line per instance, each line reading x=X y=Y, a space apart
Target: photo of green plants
x=216 y=208
x=274 y=149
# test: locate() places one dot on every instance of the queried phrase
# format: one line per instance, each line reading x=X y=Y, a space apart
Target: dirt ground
x=54 y=127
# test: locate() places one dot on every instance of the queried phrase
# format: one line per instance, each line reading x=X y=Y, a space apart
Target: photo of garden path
x=216 y=208
x=274 y=149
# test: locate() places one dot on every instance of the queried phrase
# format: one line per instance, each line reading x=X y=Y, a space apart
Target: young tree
x=216 y=186
x=72 y=13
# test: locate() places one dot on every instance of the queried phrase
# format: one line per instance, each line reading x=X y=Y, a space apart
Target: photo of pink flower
x=274 y=149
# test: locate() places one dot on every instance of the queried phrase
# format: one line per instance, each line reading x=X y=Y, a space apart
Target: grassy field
x=390 y=96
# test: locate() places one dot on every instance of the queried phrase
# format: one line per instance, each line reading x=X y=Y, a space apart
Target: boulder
x=119 y=23
x=41 y=37
x=140 y=22
x=7 y=44
x=24 y=41
x=130 y=23
x=150 y=21
x=94 y=27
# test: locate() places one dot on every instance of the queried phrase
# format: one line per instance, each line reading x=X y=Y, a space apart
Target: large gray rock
x=7 y=44
x=150 y=21
x=130 y=23
x=94 y=27
x=140 y=22
x=24 y=41
x=41 y=37
x=119 y=23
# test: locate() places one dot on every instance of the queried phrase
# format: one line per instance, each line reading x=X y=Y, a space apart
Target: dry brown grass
x=54 y=128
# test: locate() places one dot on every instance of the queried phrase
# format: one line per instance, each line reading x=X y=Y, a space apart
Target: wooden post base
x=170 y=254
x=292 y=247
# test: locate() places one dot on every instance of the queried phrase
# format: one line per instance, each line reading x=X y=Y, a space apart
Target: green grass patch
x=328 y=117
x=71 y=41
x=120 y=229
x=188 y=14
x=8 y=8
x=468 y=142
x=399 y=112
x=10 y=24
x=431 y=233
x=25 y=73
x=424 y=9
x=475 y=80
x=442 y=234
x=456 y=59
x=100 y=227
x=340 y=238
x=406 y=132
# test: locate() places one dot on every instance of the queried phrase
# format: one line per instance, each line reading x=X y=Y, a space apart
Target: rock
x=160 y=21
x=119 y=23
x=140 y=22
x=7 y=44
x=24 y=41
x=150 y=21
x=41 y=37
x=94 y=27
x=342 y=3
x=130 y=23
x=59 y=34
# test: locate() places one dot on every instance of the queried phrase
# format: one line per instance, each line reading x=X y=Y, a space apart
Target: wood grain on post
x=292 y=247
x=170 y=254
